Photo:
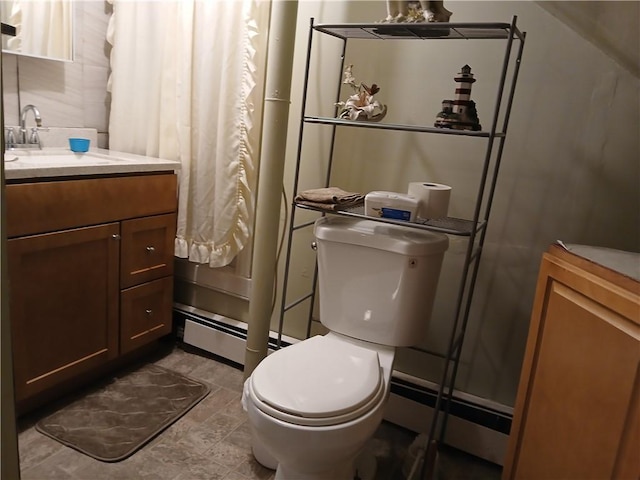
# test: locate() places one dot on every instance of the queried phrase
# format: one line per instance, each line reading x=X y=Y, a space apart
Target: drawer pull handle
x=148 y=311
x=151 y=249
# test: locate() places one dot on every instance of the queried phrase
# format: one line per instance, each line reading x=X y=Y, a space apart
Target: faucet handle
x=34 y=138
x=9 y=137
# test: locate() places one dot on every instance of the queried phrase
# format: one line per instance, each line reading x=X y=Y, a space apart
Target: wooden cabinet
x=577 y=413
x=90 y=273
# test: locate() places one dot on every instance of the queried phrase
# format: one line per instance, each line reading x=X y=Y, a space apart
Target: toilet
x=313 y=405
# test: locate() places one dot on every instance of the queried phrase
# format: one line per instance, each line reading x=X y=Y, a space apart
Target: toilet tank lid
x=383 y=236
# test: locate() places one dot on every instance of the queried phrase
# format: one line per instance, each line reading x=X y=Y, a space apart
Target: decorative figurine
x=408 y=11
x=460 y=114
x=361 y=105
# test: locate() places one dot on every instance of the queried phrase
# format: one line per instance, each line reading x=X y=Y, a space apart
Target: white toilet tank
x=377 y=281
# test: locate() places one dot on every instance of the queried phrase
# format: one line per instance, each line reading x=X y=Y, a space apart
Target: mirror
x=44 y=29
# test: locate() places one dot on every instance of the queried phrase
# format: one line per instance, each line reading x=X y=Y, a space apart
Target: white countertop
x=626 y=263
x=61 y=162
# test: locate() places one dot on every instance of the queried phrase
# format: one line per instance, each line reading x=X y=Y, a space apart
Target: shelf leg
x=430 y=460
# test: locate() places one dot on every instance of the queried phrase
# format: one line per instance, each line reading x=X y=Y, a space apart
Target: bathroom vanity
x=578 y=406
x=90 y=256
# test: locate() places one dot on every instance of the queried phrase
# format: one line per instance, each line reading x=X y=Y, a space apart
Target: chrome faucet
x=22 y=140
x=34 y=139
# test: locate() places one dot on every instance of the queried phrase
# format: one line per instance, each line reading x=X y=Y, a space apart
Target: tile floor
x=212 y=441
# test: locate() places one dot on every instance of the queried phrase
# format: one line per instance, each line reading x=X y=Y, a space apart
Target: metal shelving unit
x=475 y=228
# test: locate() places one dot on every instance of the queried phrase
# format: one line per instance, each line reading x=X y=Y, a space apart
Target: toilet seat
x=318 y=382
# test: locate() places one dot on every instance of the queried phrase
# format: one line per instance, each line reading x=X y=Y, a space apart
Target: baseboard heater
x=217 y=334
x=475 y=425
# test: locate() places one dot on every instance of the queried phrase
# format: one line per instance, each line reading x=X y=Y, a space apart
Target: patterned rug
x=115 y=420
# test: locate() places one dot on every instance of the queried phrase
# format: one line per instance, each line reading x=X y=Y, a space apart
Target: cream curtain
x=187 y=82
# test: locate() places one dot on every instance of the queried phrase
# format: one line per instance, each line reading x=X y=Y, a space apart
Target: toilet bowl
x=313 y=406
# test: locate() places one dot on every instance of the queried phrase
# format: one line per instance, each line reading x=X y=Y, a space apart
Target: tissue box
x=398 y=206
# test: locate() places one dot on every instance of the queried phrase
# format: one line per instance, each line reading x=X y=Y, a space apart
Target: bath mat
x=113 y=421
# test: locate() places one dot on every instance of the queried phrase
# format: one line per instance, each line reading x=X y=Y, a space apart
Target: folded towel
x=330 y=198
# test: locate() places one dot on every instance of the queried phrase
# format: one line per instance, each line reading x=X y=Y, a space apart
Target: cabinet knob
x=115 y=236
x=148 y=311
x=151 y=248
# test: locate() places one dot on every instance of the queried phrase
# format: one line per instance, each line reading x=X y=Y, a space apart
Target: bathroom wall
x=570 y=168
x=569 y=171
x=68 y=94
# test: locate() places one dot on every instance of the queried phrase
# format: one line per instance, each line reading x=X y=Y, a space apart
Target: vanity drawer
x=145 y=313
x=147 y=249
x=48 y=206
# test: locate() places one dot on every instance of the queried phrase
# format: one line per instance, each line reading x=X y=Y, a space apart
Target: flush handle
x=314 y=246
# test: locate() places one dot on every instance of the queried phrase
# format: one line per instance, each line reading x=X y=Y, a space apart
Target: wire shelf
x=399 y=127
x=450 y=225
x=419 y=31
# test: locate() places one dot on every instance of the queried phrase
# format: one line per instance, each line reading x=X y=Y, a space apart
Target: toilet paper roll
x=433 y=198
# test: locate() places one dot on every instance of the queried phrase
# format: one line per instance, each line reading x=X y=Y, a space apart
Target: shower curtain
x=186 y=84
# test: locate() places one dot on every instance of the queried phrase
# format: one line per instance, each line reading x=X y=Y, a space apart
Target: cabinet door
x=577 y=410
x=146 y=313
x=64 y=304
x=147 y=249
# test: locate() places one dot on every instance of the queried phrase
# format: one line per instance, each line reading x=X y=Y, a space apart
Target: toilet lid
x=318 y=378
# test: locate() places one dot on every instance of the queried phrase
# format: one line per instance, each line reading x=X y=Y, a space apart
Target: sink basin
x=62 y=160
x=54 y=159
